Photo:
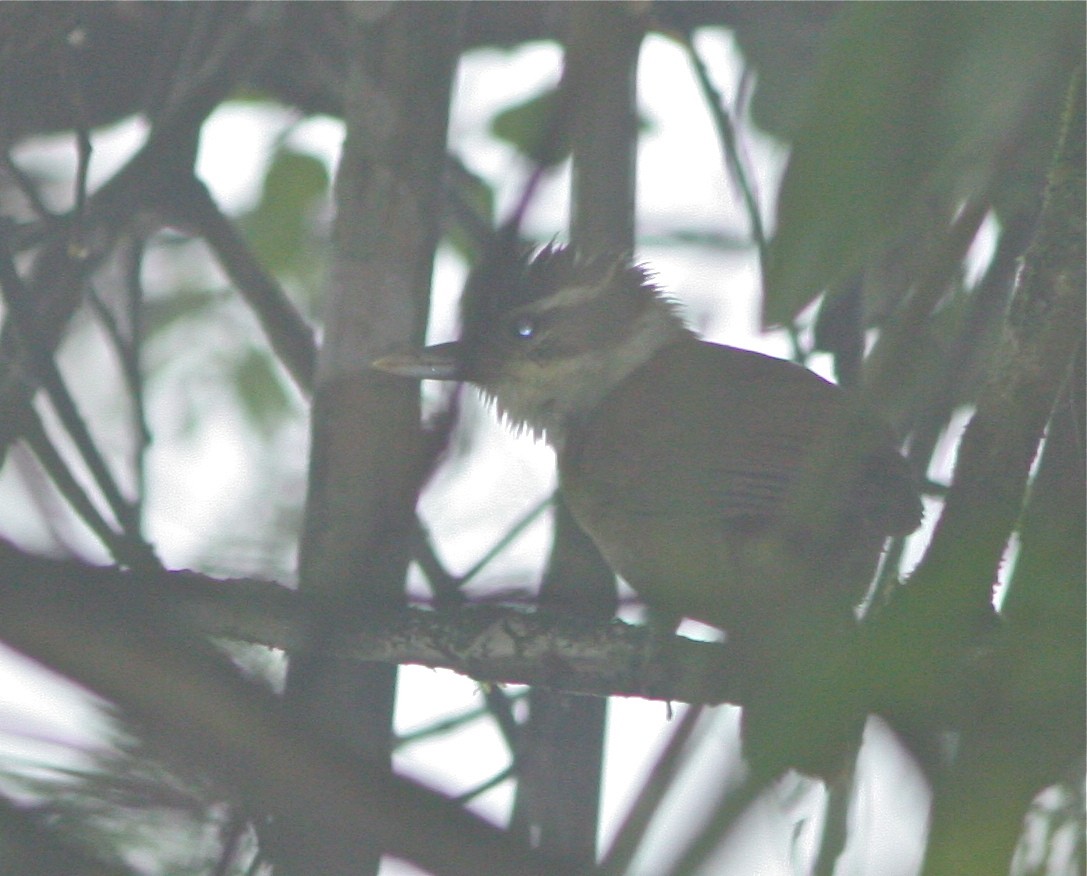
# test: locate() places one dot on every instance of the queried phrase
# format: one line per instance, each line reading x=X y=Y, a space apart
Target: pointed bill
x=439 y=362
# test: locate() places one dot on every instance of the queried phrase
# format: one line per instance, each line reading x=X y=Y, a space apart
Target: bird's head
x=548 y=336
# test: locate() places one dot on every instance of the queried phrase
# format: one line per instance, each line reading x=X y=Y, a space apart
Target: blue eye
x=524 y=327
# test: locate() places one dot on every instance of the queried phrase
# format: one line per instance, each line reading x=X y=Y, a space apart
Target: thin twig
x=447 y=725
x=124 y=550
x=127 y=350
x=734 y=804
x=47 y=375
x=29 y=191
x=288 y=333
x=504 y=776
x=131 y=368
x=619 y=856
x=737 y=171
x=73 y=81
x=520 y=526
x=734 y=162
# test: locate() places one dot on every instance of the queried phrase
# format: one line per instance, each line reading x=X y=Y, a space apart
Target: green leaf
x=532 y=128
x=280 y=227
x=911 y=101
x=468 y=224
x=160 y=314
x=535 y=128
x=260 y=390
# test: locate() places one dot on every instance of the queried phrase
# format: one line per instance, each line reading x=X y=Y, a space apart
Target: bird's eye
x=524 y=327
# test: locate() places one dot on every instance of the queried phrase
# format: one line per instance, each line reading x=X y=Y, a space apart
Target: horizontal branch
x=489 y=643
x=119 y=635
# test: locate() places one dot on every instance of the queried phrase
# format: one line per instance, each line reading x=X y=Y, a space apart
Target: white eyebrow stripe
x=574 y=295
x=567 y=296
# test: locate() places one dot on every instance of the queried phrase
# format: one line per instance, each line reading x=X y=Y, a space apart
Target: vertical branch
x=602 y=58
x=730 y=147
x=367 y=453
x=1009 y=749
x=1043 y=332
x=563 y=744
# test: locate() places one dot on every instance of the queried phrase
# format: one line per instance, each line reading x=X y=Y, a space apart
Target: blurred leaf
x=280 y=228
x=839 y=330
x=911 y=101
x=531 y=128
x=36 y=843
x=1048 y=590
x=260 y=390
x=780 y=42
x=472 y=206
x=162 y=313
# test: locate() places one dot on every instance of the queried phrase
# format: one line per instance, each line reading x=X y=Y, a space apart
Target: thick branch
x=921 y=645
x=488 y=643
x=115 y=634
x=1044 y=330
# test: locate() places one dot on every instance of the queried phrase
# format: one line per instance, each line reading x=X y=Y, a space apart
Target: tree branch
x=1043 y=333
x=114 y=633
x=288 y=333
x=489 y=643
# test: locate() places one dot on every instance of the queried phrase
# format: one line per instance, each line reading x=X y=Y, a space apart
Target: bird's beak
x=440 y=362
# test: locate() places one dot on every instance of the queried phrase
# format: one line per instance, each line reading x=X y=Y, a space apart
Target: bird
x=724 y=485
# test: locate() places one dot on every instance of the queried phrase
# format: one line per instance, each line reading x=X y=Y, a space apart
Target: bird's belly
x=731 y=578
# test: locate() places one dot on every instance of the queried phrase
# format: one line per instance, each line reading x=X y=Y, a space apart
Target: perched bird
x=726 y=486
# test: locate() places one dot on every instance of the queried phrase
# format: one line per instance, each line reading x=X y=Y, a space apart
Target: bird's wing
x=705 y=430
